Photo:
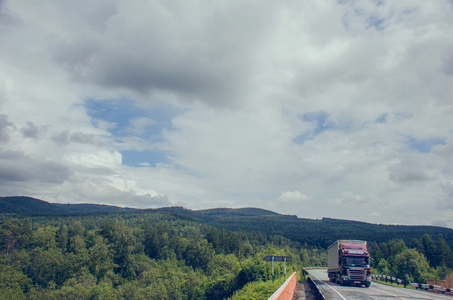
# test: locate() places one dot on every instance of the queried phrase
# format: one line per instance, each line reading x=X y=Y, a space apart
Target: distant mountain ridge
x=319 y=233
x=28 y=206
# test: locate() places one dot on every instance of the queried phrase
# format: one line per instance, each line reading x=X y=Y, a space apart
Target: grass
x=408 y=286
x=257 y=290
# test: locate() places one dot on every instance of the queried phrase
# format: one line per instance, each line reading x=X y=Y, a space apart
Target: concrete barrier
x=286 y=291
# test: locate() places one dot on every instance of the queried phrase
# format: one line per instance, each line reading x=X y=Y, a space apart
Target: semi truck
x=348 y=263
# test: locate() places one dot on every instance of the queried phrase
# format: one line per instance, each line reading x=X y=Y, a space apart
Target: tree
x=13 y=283
x=383 y=267
x=101 y=258
x=253 y=270
x=213 y=237
x=151 y=241
x=375 y=251
x=444 y=253
x=14 y=235
x=123 y=241
x=198 y=254
x=102 y=291
x=222 y=264
x=429 y=250
x=221 y=288
x=45 y=237
x=411 y=265
x=62 y=237
x=48 y=265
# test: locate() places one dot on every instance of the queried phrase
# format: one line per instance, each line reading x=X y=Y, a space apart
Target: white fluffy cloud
x=337 y=109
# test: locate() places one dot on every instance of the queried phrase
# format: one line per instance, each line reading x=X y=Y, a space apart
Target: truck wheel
x=367 y=284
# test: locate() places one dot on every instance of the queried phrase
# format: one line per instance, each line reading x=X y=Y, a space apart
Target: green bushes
x=257 y=290
x=427 y=259
x=132 y=256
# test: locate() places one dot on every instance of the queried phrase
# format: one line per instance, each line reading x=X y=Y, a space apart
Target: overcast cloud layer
x=336 y=109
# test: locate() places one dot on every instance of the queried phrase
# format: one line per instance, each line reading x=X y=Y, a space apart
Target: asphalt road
x=376 y=291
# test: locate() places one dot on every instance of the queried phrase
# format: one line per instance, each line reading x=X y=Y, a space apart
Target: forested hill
x=319 y=233
x=27 y=206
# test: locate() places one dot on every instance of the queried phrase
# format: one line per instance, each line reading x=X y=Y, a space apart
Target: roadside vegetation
x=425 y=258
x=181 y=254
x=139 y=256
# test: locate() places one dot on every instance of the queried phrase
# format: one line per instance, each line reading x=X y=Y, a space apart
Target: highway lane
x=376 y=291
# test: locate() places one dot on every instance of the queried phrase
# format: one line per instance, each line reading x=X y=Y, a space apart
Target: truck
x=348 y=263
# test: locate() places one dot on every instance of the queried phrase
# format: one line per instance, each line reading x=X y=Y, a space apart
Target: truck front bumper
x=346 y=281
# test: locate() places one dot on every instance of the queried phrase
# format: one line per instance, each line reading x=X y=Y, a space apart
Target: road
x=376 y=291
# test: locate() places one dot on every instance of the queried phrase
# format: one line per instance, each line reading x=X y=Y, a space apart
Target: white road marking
x=329 y=286
x=382 y=291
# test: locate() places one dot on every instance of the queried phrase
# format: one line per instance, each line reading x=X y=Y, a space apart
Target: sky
x=339 y=109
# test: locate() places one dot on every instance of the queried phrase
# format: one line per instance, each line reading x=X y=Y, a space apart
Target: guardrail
x=390 y=279
x=432 y=288
x=314 y=288
x=286 y=290
x=423 y=286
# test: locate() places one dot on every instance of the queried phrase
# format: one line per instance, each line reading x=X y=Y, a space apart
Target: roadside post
x=273 y=258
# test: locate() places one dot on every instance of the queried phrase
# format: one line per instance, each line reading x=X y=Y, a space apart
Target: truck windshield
x=355 y=261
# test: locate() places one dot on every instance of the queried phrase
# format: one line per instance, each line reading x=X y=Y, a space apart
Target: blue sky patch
x=424 y=146
x=116 y=111
x=146 y=123
x=124 y=114
x=301 y=138
x=322 y=123
x=392 y=117
x=321 y=119
x=376 y=22
x=382 y=119
x=145 y=158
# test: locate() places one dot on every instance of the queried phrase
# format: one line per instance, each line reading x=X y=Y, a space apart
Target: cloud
x=349 y=199
x=4 y=126
x=445 y=201
x=16 y=167
x=107 y=194
x=447 y=61
x=177 y=48
x=66 y=137
x=414 y=169
x=101 y=159
x=293 y=198
x=31 y=131
x=207 y=104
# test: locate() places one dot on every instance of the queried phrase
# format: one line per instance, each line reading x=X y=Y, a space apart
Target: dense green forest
x=50 y=251
x=424 y=258
x=316 y=233
x=151 y=255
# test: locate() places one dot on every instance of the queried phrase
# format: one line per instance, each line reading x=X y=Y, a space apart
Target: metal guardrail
x=314 y=288
x=433 y=288
x=390 y=279
x=430 y=287
x=424 y=286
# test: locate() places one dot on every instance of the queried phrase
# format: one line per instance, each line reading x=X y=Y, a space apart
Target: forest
x=98 y=252
x=425 y=258
x=138 y=256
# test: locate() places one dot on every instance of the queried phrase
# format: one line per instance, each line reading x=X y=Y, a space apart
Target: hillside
x=319 y=233
x=27 y=206
x=93 y=208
